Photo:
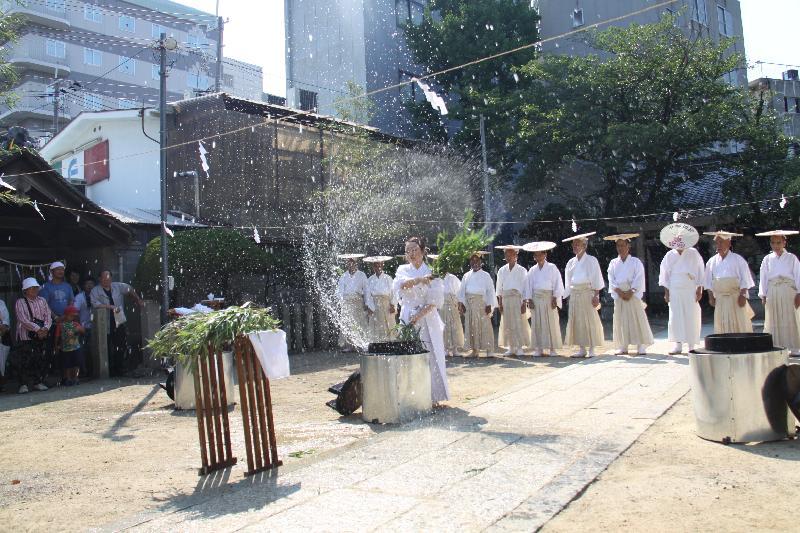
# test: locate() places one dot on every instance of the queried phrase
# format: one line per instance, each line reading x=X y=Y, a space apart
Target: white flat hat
x=777 y=232
x=679 y=236
x=346 y=257
x=581 y=236
x=27 y=283
x=508 y=247
x=56 y=264
x=378 y=259
x=480 y=253
x=727 y=235
x=433 y=256
x=621 y=236
x=539 y=246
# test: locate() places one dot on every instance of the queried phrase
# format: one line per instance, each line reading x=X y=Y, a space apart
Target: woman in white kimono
x=381 y=300
x=544 y=290
x=728 y=281
x=420 y=296
x=779 y=281
x=626 y=283
x=515 y=330
x=351 y=293
x=453 y=327
x=681 y=274
x=583 y=281
x=476 y=301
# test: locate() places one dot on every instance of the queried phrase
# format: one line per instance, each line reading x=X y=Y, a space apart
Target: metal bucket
x=737 y=389
x=395 y=388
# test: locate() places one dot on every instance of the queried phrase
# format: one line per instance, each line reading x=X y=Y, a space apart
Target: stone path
x=508 y=462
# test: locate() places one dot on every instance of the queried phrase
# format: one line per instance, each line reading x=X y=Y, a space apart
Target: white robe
x=724 y=275
x=582 y=277
x=477 y=293
x=682 y=274
x=431 y=326
x=351 y=292
x=779 y=281
x=453 y=327
x=381 y=321
x=541 y=285
x=630 y=324
x=515 y=331
x=732 y=265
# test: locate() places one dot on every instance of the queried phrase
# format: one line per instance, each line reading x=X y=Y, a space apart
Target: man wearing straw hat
x=626 y=283
x=728 y=281
x=450 y=314
x=381 y=301
x=583 y=281
x=352 y=296
x=476 y=300
x=544 y=290
x=515 y=332
x=779 y=280
x=681 y=274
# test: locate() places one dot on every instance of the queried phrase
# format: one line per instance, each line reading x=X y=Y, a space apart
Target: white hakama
x=353 y=324
x=725 y=278
x=430 y=326
x=779 y=280
x=582 y=279
x=542 y=285
x=380 y=299
x=630 y=325
x=477 y=293
x=682 y=274
x=515 y=331
x=450 y=315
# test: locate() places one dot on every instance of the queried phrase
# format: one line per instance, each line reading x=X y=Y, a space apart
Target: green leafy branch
x=454 y=252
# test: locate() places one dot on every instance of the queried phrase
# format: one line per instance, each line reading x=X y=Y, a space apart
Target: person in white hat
x=583 y=281
x=681 y=274
x=626 y=283
x=779 y=281
x=381 y=300
x=476 y=301
x=450 y=315
x=728 y=281
x=34 y=319
x=351 y=292
x=544 y=290
x=515 y=331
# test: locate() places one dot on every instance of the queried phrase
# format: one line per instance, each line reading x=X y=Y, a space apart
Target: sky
x=255 y=34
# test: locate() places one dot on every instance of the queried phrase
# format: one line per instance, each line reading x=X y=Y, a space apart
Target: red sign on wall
x=95 y=161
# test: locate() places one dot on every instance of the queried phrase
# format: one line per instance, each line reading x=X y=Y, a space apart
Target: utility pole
x=221 y=27
x=485 y=169
x=164 y=44
x=56 y=97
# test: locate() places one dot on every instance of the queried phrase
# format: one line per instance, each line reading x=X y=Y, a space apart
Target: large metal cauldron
x=738 y=389
x=395 y=385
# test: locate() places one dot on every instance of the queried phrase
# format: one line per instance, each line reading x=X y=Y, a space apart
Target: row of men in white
x=528 y=300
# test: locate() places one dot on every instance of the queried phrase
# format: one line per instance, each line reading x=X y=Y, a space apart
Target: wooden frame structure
x=211 y=407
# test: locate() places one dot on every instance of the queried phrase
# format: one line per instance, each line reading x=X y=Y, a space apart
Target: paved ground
x=506 y=462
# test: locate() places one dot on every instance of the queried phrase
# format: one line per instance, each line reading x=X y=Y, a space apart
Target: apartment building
x=784 y=97
x=75 y=55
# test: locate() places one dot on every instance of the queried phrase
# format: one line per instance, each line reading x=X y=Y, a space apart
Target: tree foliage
x=455 y=250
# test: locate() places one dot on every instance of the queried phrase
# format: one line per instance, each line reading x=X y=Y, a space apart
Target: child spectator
x=68 y=341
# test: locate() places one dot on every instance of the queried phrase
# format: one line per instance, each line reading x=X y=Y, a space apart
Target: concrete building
x=784 y=95
x=331 y=43
x=76 y=55
x=715 y=19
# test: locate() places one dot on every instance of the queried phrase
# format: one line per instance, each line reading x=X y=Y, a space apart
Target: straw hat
x=378 y=259
x=582 y=236
x=621 y=237
x=508 y=247
x=539 y=246
x=727 y=235
x=347 y=257
x=778 y=233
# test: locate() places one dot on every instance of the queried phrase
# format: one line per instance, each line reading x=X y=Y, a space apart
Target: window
x=308 y=100
x=155 y=71
x=124 y=103
x=92 y=13
x=725 y=21
x=577 y=18
x=92 y=57
x=127 y=66
x=227 y=80
x=196 y=81
x=409 y=11
x=56 y=5
x=699 y=12
x=55 y=48
x=157 y=30
x=127 y=23
x=785 y=104
x=92 y=102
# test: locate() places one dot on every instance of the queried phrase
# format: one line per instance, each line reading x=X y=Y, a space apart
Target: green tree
x=9 y=24
x=454 y=32
x=651 y=102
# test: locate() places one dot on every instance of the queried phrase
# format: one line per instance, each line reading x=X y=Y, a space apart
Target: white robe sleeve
x=368 y=299
x=708 y=280
x=763 y=277
x=639 y=285
x=558 y=286
x=665 y=270
x=596 y=276
x=339 y=288
x=393 y=293
x=462 y=289
x=612 y=281
x=500 y=280
x=568 y=277
x=435 y=293
x=489 y=297
x=745 y=276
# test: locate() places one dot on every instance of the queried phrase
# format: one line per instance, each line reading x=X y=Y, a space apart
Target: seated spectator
x=33 y=328
x=68 y=342
x=111 y=295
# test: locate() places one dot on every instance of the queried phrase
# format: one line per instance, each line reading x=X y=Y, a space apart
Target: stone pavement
x=508 y=462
